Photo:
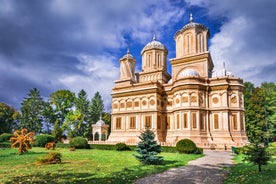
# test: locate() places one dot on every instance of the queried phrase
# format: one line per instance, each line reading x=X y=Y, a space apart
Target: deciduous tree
x=9 y=117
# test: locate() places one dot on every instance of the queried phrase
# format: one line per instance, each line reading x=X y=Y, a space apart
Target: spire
x=128 y=52
x=191 y=14
x=154 y=36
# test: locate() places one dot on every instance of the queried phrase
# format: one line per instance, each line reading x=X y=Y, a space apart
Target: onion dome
x=189 y=73
x=154 y=44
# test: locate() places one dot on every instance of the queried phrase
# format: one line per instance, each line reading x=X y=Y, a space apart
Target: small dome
x=128 y=55
x=100 y=122
x=154 y=45
x=189 y=73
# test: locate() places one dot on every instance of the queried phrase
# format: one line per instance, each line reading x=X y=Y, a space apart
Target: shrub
x=5 y=137
x=79 y=142
x=122 y=147
x=51 y=158
x=199 y=151
x=43 y=139
x=186 y=146
x=5 y=145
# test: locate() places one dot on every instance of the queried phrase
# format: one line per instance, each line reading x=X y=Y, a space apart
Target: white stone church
x=194 y=102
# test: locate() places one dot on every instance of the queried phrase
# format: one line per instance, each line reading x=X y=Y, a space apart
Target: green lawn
x=244 y=172
x=81 y=166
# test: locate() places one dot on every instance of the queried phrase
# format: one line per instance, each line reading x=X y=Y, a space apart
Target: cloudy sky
x=67 y=44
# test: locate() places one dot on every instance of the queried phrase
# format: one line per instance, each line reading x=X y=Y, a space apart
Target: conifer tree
x=148 y=149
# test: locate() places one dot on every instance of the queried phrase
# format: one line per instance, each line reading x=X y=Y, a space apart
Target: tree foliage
x=8 y=118
x=96 y=107
x=32 y=109
x=260 y=112
x=148 y=149
x=257 y=154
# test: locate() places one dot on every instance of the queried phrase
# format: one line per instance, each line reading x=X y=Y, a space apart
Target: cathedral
x=193 y=102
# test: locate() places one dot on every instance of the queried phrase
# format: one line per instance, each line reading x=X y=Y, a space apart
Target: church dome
x=100 y=122
x=189 y=73
x=128 y=55
x=191 y=25
x=154 y=44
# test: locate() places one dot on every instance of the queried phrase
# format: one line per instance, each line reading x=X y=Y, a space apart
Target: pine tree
x=32 y=109
x=148 y=149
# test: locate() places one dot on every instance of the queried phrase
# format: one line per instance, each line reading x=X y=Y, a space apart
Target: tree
x=75 y=124
x=62 y=102
x=49 y=118
x=148 y=149
x=257 y=154
x=82 y=104
x=9 y=117
x=269 y=92
x=260 y=111
x=82 y=107
x=96 y=107
x=32 y=111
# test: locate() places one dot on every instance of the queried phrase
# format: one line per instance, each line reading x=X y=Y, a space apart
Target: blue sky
x=68 y=44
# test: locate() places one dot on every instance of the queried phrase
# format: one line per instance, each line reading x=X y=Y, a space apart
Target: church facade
x=193 y=102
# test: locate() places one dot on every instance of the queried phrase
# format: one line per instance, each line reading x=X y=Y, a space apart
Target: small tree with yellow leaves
x=22 y=140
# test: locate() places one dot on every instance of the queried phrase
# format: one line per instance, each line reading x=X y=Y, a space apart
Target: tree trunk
x=259 y=166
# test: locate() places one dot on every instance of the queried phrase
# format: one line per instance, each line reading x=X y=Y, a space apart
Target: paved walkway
x=207 y=170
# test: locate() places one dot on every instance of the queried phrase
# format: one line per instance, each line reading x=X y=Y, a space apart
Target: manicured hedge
x=5 y=137
x=122 y=147
x=5 y=145
x=186 y=146
x=43 y=139
x=79 y=143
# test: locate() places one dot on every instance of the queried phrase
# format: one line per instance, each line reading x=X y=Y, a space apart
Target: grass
x=244 y=172
x=81 y=166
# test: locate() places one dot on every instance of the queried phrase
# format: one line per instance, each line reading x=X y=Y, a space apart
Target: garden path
x=207 y=170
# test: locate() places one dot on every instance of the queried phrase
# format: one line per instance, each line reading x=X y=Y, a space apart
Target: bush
x=51 y=158
x=273 y=144
x=199 y=151
x=5 y=137
x=186 y=146
x=43 y=139
x=79 y=143
x=5 y=145
x=122 y=147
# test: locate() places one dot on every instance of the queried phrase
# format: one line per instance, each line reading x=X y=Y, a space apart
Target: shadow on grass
x=126 y=175
x=188 y=174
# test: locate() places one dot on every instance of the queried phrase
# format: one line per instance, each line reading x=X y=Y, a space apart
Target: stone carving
x=136 y=104
x=193 y=99
x=152 y=102
x=129 y=104
x=215 y=100
x=234 y=99
x=185 y=99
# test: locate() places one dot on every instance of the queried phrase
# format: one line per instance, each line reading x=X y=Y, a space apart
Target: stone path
x=207 y=170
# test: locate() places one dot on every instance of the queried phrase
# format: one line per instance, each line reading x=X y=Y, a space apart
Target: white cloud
x=246 y=40
x=100 y=73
